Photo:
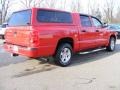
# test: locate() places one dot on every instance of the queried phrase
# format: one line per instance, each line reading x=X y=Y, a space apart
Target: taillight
x=34 y=39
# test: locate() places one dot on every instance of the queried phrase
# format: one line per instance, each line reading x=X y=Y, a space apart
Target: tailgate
x=18 y=35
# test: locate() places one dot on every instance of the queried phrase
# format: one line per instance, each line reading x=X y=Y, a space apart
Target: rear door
x=87 y=35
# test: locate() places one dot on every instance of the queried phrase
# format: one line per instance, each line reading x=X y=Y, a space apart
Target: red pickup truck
x=40 y=32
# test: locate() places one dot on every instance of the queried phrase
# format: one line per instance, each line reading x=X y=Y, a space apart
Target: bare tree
x=1 y=12
x=62 y=4
x=31 y=3
x=91 y=7
x=94 y=9
x=117 y=17
x=109 y=10
x=5 y=6
x=50 y=3
x=76 y=6
x=97 y=13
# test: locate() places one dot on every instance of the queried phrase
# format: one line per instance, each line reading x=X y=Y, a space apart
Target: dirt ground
x=98 y=70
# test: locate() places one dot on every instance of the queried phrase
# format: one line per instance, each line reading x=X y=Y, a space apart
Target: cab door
x=99 y=31
x=87 y=32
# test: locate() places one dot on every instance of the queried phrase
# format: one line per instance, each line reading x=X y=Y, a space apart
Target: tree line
x=108 y=13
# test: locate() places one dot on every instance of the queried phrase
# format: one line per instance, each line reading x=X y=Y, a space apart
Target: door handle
x=84 y=31
x=97 y=30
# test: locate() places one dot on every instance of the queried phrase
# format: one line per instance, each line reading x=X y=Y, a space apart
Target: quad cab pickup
x=39 y=32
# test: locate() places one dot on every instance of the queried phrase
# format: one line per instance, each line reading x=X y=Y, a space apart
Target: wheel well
x=113 y=36
x=65 y=40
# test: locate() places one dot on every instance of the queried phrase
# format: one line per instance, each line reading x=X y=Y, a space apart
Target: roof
x=55 y=10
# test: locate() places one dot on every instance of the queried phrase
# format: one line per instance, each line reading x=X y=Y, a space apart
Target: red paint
x=41 y=39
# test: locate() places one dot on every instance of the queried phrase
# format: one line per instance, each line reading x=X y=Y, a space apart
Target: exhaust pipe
x=14 y=55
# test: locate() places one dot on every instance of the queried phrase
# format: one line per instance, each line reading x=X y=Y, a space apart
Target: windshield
x=20 y=18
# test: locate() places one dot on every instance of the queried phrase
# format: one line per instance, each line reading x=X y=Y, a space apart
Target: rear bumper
x=25 y=51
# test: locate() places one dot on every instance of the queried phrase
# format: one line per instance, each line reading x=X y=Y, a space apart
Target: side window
x=96 y=22
x=53 y=16
x=85 y=21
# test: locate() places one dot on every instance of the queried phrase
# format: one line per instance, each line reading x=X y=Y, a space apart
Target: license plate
x=15 y=48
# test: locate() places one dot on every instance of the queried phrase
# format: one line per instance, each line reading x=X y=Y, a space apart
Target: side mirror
x=105 y=25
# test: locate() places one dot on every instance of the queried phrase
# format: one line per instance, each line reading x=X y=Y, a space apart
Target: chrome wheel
x=65 y=55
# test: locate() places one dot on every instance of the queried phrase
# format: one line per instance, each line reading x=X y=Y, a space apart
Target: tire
x=111 y=45
x=63 y=55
